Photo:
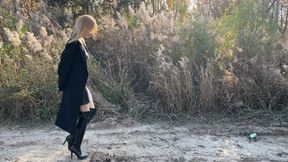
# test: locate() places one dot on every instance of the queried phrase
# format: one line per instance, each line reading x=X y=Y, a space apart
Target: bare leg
x=90 y=98
x=86 y=107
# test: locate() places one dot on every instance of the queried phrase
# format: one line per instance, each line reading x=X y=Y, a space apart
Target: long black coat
x=72 y=79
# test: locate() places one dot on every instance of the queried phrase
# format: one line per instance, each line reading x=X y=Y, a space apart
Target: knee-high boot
x=84 y=119
x=79 y=134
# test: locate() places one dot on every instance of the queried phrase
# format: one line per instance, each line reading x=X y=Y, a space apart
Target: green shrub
x=197 y=42
x=28 y=89
x=28 y=85
x=7 y=19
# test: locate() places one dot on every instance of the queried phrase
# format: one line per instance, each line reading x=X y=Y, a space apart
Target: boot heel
x=64 y=141
x=71 y=155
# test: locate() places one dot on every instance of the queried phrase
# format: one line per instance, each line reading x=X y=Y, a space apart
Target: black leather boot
x=70 y=140
x=84 y=119
x=92 y=113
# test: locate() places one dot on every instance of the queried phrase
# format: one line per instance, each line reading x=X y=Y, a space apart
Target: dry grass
x=146 y=62
x=142 y=66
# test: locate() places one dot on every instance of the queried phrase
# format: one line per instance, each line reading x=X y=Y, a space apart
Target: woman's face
x=88 y=34
x=90 y=31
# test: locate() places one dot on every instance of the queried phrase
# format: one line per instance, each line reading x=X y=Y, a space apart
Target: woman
x=77 y=107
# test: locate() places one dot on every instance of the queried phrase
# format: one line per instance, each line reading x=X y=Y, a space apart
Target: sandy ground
x=140 y=142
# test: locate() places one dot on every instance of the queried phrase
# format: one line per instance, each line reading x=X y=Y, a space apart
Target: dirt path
x=158 y=142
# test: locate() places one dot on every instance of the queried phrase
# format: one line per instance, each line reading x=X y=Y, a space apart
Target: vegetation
x=151 y=59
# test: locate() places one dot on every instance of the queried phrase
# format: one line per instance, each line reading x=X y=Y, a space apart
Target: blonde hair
x=84 y=24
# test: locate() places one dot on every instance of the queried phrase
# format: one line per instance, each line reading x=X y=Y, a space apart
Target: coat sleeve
x=65 y=64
